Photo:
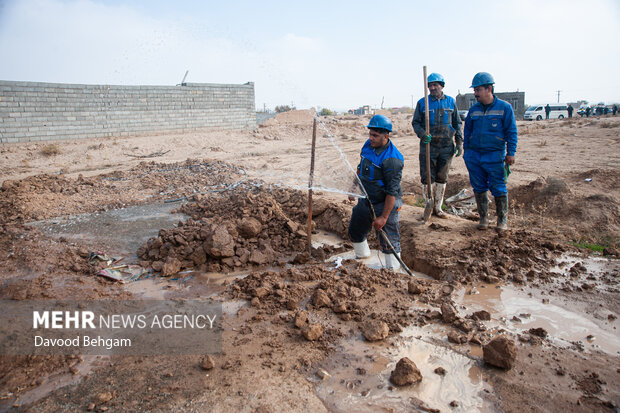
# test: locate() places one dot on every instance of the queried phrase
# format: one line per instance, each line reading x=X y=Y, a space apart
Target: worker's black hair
x=381 y=130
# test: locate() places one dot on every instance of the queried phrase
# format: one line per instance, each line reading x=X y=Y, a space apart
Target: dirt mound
x=295 y=117
x=488 y=259
x=44 y=196
x=344 y=292
x=551 y=193
x=239 y=229
x=550 y=201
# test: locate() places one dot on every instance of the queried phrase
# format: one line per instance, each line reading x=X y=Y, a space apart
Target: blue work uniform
x=380 y=171
x=490 y=134
x=445 y=128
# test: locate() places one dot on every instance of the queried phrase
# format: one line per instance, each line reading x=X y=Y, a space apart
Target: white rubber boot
x=391 y=263
x=361 y=249
x=439 y=190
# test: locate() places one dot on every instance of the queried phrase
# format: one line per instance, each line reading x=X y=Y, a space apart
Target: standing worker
x=490 y=145
x=570 y=111
x=380 y=171
x=445 y=128
x=547 y=111
x=615 y=110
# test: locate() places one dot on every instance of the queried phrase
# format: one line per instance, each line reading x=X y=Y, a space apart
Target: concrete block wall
x=33 y=111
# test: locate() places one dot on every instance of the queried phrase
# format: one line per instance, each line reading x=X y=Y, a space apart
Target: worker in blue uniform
x=445 y=137
x=490 y=145
x=380 y=172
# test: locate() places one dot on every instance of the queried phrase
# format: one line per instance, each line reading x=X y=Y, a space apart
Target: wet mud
x=298 y=327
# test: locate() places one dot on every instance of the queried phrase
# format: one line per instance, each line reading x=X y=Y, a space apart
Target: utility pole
x=382 y=99
x=412 y=102
x=558 y=95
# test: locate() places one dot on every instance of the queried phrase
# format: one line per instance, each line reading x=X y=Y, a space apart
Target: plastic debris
x=124 y=273
x=588 y=179
x=338 y=262
x=95 y=256
x=463 y=203
x=323 y=374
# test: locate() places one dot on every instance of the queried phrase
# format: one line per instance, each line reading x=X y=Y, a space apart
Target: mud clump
x=414 y=287
x=238 y=229
x=312 y=332
x=538 y=332
x=321 y=299
x=406 y=372
x=481 y=315
x=104 y=397
x=375 y=330
x=448 y=312
x=207 y=363
x=500 y=352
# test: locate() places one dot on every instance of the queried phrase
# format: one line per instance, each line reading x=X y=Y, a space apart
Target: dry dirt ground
x=295 y=325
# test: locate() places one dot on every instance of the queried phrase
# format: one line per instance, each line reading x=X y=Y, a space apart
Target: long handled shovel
x=428 y=207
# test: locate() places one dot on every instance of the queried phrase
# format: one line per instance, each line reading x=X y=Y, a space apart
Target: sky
x=337 y=54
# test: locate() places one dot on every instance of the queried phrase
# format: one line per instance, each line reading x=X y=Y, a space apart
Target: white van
x=537 y=112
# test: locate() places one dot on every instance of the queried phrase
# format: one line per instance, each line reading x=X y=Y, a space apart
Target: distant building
x=516 y=99
x=363 y=110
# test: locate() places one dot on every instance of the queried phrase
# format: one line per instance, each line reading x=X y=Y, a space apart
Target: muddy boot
x=425 y=195
x=501 y=208
x=482 y=201
x=361 y=249
x=391 y=263
x=440 y=189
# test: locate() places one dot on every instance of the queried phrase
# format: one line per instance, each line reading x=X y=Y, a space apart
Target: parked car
x=463 y=114
x=537 y=112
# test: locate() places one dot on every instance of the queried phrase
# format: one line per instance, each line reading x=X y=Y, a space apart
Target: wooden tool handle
x=428 y=131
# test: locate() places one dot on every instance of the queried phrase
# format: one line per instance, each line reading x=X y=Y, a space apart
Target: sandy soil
x=294 y=325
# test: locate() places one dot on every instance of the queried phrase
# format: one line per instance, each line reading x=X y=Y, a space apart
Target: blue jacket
x=444 y=120
x=380 y=171
x=491 y=129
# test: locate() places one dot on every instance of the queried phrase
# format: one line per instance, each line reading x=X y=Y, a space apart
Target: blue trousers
x=361 y=224
x=486 y=171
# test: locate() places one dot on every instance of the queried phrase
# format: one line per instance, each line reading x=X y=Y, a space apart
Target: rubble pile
x=237 y=229
x=43 y=196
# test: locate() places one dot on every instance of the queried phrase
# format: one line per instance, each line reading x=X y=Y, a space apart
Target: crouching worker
x=380 y=171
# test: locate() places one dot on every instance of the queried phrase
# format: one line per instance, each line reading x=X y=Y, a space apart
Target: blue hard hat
x=380 y=122
x=482 y=78
x=436 y=77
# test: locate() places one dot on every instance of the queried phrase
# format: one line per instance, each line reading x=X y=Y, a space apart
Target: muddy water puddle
x=54 y=381
x=359 y=376
x=187 y=285
x=519 y=310
x=120 y=230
